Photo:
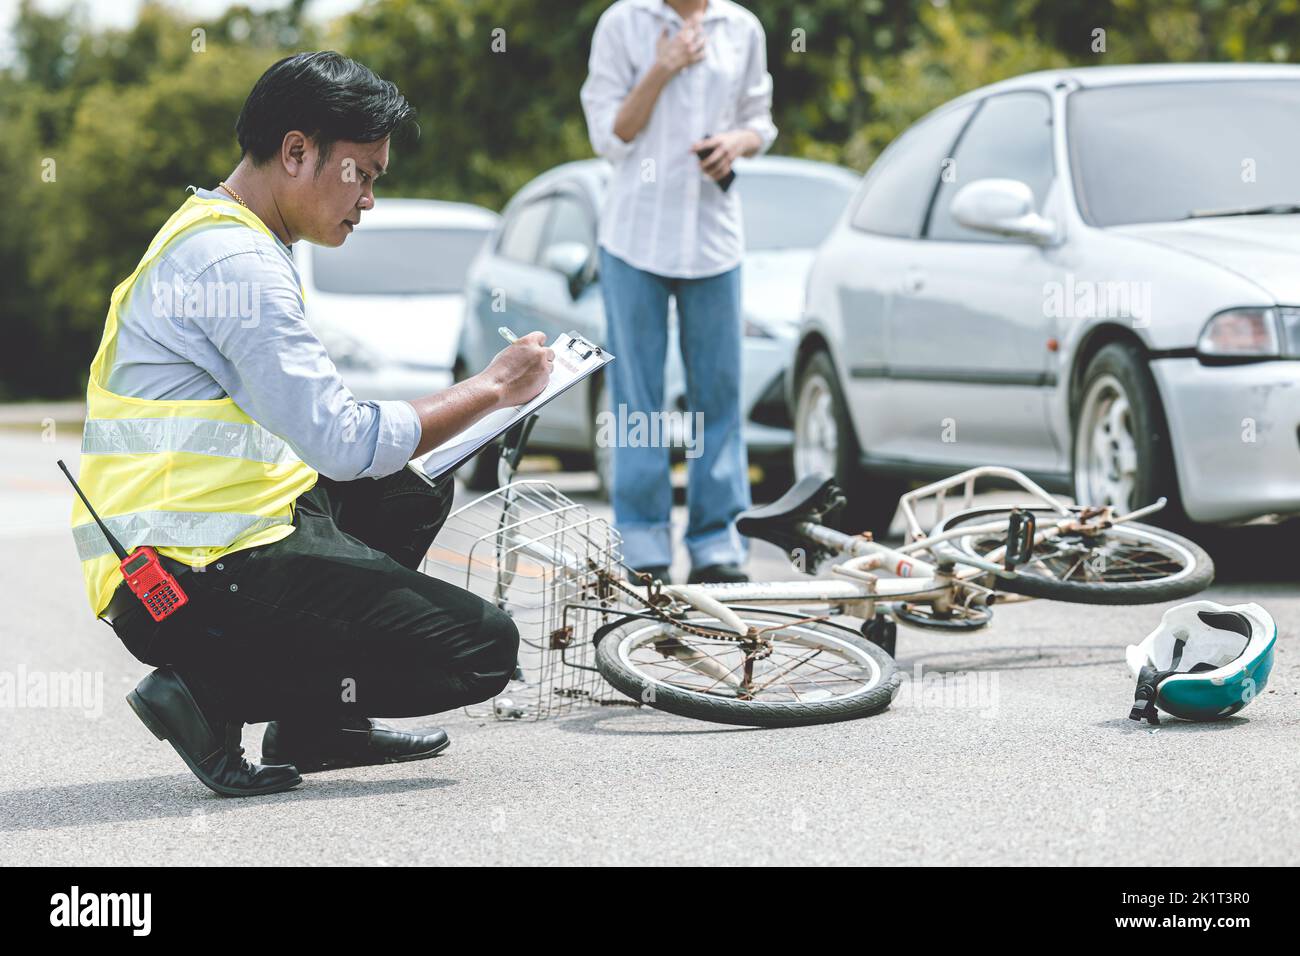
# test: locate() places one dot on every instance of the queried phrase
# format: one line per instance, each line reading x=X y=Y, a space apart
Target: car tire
x=824 y=440
x=1121 y=452
x=777 y=478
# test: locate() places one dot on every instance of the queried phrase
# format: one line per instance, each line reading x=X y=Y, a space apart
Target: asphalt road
x=1028 y=758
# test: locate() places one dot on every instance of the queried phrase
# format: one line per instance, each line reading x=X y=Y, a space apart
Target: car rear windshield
x=397 y=261
x=1160 y=152
x=789 y=212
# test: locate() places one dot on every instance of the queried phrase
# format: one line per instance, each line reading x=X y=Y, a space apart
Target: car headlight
x=1289 y=323
x=1241 y=334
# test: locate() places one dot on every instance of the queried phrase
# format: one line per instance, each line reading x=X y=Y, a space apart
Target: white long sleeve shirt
x=662 y=214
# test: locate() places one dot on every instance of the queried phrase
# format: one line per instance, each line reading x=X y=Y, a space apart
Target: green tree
x=102 y=133
x=951 y=53
x=131 y=117
x=495 y=84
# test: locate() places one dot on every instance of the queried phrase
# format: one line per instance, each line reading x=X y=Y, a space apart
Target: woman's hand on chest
x=676 y=51
x=709 y=47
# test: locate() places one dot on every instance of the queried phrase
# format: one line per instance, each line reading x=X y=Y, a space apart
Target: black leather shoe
x=210 y=748
x=718 y=574
x=361 y=743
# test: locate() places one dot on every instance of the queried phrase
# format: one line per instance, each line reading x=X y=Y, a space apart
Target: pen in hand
x=549 y=354
x=508 y=334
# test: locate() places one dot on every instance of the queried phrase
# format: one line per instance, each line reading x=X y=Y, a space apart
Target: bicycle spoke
x=780 y=674
x=684 y=667
x=1091 y=559
x=795 y=663
x=1158 y=568
x=833 y=667
x=709 y=689
x=806 y=660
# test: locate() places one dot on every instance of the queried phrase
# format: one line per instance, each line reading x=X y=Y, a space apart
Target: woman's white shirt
x=661 y=213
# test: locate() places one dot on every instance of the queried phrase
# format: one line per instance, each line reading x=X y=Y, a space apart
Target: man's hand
x=726 y=148
x=682 y=49
x=518 y=373
x=521 y=370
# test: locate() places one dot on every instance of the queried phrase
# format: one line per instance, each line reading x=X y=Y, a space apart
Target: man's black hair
x=325 y=95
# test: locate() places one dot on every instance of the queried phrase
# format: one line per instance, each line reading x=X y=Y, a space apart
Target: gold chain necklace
x=238 y=198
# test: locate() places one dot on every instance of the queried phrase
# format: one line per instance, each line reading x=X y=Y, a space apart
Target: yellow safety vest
x=195 y=479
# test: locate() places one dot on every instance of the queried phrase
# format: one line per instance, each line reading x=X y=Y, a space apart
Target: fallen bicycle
x=769 y=653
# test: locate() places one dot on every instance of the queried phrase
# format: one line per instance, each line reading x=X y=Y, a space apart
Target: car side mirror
x=570 y=260
x=1004 y=207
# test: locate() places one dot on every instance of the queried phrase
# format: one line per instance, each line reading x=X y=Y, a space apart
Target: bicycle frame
x=858 y=595
x=914 y=579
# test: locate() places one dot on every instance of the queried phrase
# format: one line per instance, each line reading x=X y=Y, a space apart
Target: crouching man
x=281 y=503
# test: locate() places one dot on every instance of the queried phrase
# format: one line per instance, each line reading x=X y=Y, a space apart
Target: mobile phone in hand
x=725 y=182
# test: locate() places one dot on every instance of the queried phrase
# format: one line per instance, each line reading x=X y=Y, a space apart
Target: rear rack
x=939 y=492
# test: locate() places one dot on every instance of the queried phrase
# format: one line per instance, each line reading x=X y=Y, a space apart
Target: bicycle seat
x=811 y=499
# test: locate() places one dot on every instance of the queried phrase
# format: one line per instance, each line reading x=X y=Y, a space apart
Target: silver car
x=1092 y=275
x=388 y=304
x=538 y=272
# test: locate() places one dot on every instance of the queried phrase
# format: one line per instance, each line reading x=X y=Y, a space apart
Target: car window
x=1009 y=138
x=378 y=261
x=571 y=222
x=522 y=234
x=789 y=210
x=1159 y=152
x=898 y=187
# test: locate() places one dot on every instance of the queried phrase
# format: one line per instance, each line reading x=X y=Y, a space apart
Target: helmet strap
x=1144 y=698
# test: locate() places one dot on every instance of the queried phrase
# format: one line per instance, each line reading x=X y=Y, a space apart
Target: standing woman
x=668 y=80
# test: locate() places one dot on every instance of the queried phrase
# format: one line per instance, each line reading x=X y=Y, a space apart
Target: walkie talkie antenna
x=116 y=545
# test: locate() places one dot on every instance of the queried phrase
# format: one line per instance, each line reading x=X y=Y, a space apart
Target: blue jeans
x=709 y=323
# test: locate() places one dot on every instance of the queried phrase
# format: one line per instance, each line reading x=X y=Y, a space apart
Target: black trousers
x=334 y=622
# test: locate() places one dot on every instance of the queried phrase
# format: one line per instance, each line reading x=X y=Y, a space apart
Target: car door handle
x=913 y=281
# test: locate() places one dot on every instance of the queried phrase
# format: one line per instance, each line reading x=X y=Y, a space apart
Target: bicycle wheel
x=1125 y=564
x=816 y=672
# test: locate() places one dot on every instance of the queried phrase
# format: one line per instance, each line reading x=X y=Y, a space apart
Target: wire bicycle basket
x=544 y=559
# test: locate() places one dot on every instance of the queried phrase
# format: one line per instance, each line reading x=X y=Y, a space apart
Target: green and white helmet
x=1205 y=661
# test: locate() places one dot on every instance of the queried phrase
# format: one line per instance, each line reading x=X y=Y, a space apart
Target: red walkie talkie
x=145 y=576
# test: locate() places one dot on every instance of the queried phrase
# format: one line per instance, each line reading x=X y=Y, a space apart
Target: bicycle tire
x=685 y=703
x=1197 y=576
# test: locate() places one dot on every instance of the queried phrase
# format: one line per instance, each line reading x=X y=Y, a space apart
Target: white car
x=1091 y=275
x=388 y=304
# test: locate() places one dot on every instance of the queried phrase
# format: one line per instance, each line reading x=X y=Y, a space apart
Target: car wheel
x=1122 y=455
x=824 y=442
x=777 y=478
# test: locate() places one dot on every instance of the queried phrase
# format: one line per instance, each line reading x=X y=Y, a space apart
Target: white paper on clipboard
x=575 y=359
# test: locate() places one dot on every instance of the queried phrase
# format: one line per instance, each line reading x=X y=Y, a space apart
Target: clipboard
x=575 y=359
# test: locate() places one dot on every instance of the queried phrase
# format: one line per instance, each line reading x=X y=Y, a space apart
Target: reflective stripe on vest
x=168 y=529
x=197 y=436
